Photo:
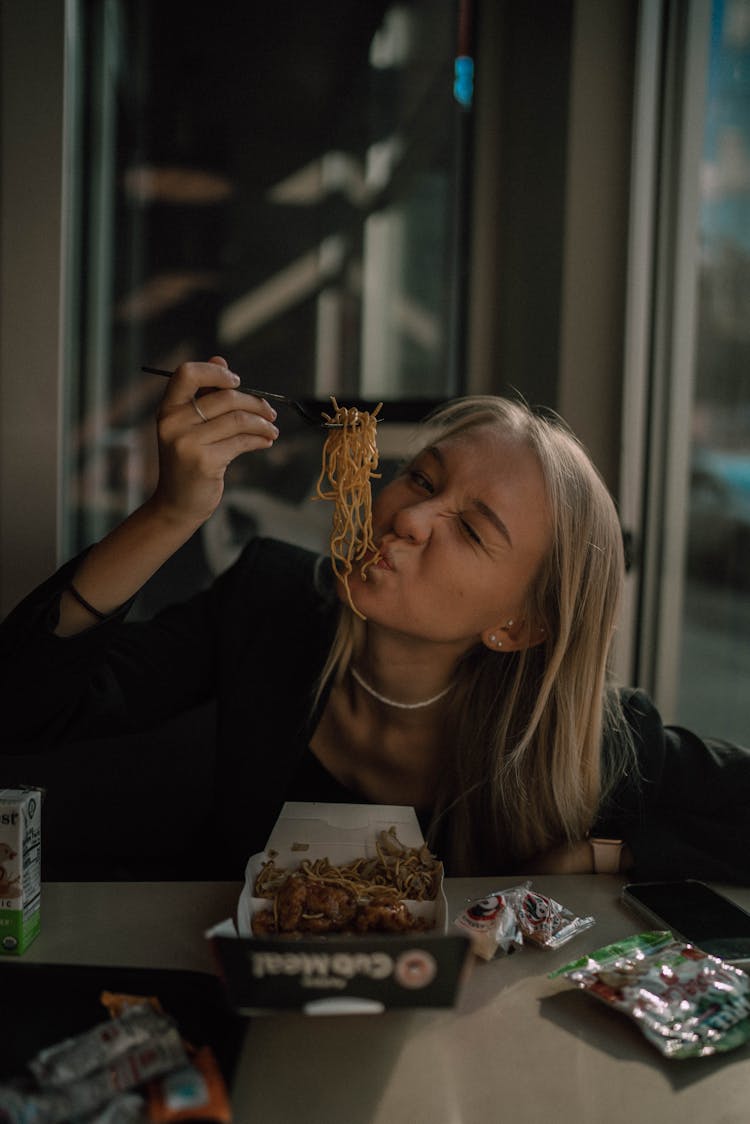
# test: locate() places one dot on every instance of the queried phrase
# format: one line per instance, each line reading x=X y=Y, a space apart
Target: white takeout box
x=337 y=974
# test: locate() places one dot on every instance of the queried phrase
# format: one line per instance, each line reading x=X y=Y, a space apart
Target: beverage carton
x=20 y=868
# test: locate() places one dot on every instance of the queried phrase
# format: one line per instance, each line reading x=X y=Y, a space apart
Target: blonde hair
x=523 y=767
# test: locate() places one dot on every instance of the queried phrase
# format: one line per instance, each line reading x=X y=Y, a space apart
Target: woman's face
x=462 y=531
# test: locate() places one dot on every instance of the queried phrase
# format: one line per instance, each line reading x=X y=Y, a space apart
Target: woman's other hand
x=571 y=858
x=194 y=454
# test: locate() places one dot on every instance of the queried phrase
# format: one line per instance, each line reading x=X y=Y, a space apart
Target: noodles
x=365 y=895
x=397 y=871
x=350 y=457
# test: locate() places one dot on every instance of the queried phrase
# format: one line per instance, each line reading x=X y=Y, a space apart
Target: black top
x=312 y=781
x=184 y=735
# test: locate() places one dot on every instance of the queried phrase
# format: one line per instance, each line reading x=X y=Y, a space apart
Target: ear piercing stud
x=497 y=641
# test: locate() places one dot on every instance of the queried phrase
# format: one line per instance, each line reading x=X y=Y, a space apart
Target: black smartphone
x=696 y=913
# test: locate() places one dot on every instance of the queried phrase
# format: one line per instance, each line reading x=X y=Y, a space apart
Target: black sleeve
x=116 y=677
x=684 y=806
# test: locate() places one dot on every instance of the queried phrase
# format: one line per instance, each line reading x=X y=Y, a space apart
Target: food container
x=367 y=972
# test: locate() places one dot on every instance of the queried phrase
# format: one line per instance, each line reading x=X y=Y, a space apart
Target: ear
x=513 y=636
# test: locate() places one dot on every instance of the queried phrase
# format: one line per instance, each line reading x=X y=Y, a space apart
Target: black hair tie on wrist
x=85 y=604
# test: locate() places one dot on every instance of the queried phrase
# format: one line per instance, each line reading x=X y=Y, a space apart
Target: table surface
x=517 y=1046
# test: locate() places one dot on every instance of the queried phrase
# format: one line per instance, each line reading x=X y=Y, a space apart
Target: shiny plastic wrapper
x=505 y=920
x=687 y=1004
x=59 y=1104
x=196 y=1092
x=106 y=1042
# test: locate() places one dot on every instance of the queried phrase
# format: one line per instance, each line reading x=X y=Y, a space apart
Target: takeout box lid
x=355 y=825
x=332 y=974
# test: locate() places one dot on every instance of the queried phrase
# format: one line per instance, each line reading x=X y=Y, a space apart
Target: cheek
x=474 y=595
x=384 y=508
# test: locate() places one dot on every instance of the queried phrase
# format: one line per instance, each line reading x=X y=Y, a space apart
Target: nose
x=414 y=522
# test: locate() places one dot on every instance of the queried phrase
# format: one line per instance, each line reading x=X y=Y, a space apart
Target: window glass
x=715 y=652
x=279 y=184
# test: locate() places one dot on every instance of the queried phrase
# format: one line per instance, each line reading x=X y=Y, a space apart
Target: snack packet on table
x=92 y=1076
x=492 y=924
x=544 y=921
x=195 y=1091
x=82 y=1097
x=505 y=919
x=76 y=1057
x=688 y=1004
x=126 y=1108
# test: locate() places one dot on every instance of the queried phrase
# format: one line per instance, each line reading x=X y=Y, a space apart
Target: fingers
x=205 y=380
x=223 y=415
x=190 y=378
x=204 y=419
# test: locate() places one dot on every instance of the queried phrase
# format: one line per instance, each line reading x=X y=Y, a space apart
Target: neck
x=404 y=678
x=386 y=701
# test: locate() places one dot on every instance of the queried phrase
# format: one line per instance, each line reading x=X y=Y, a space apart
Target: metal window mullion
x=638 y=322
x=673 y=352
x=99 y=267
x=70 y=336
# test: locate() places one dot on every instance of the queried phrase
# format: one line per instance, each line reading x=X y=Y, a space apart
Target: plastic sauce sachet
x=506 y=919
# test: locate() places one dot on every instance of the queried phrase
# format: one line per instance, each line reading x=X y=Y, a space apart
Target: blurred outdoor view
x=715 y=671
x=277 y=184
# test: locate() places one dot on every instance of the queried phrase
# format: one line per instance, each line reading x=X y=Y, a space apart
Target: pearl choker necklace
x=392 y=702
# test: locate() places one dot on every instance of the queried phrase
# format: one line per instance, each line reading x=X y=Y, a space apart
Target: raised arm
x=193 y=457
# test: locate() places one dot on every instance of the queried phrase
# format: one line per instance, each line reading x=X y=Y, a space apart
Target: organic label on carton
x=20 y=868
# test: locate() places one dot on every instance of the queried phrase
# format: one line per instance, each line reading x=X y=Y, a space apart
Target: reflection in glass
x=715 y=670
x=275 y=184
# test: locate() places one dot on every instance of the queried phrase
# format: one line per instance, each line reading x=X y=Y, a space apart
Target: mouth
x=382 y=561
x=375 y=560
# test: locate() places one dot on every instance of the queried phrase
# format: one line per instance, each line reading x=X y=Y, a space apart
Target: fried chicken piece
x=306 y=905
x=327 y=908
x=264 y=923
x=290 y=903
x=386 y=915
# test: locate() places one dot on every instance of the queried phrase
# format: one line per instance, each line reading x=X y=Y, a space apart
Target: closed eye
x=469 y=530
x=421 y=480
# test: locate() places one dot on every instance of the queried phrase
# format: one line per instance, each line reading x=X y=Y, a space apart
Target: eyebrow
x=494 y=519
x=479 y=505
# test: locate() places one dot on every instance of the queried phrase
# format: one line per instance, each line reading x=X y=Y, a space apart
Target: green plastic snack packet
x=688 y=1004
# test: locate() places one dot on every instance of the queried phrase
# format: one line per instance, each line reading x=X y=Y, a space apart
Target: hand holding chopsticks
x=270 y=396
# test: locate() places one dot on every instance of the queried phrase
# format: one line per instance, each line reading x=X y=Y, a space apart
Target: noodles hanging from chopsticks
x=350 y=457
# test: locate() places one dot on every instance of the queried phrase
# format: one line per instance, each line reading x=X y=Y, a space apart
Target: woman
x=475 y=688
